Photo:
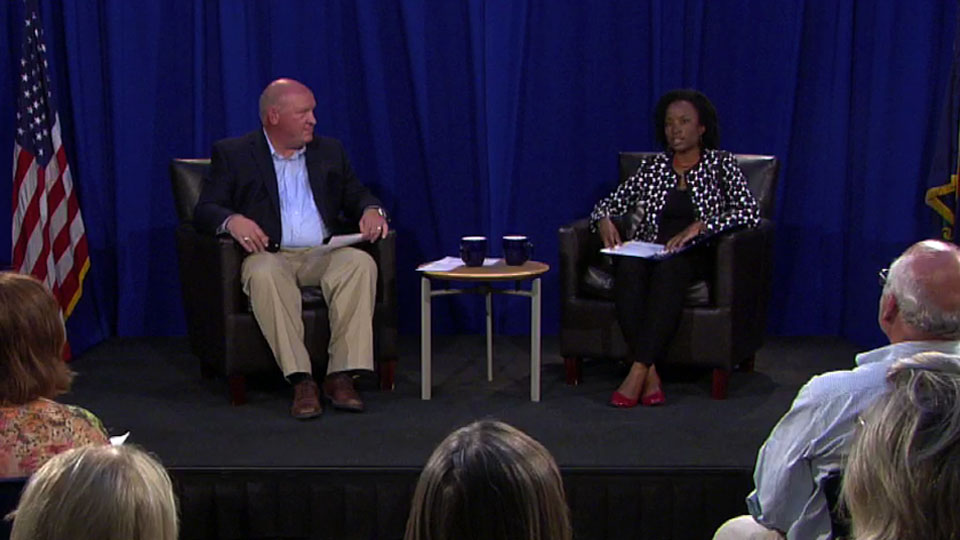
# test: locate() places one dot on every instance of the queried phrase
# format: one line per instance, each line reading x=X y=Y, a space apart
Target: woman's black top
x=677 y=214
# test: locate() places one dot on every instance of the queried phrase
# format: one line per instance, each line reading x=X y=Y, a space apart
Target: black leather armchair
x=223 y=332
x=720 y=330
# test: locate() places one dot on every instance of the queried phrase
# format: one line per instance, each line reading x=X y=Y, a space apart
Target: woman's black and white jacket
x=718 y=189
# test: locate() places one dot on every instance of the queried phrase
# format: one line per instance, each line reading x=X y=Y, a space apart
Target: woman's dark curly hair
x=705 y=110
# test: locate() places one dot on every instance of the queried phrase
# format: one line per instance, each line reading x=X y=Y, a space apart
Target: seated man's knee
x=363 y=262
x=260 y=267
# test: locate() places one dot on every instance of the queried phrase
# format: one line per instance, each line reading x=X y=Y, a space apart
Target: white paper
x=636 y=248
x=443 y=265
x=344 y=240
x=447 y=264
x=119 y=439
x=340 y=241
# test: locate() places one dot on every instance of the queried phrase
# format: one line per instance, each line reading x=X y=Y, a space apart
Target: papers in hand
x=647 y=250
x=636 y=248
x=343 y=240
x=447 y=264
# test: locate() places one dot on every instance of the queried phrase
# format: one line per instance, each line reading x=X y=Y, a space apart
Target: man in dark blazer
x=280 y=192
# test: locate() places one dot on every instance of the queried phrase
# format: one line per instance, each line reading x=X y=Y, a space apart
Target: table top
x=496 y=272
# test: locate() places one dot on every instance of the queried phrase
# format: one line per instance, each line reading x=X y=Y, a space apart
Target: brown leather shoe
x=306 y=400
x=338 y=388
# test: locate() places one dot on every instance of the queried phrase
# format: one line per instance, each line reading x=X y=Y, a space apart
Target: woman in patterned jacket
x=33 y=427
x=689 y=190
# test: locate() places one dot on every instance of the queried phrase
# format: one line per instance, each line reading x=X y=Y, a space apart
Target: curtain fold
x=494 y=118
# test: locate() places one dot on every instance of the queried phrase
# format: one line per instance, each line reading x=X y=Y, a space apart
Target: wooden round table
x=484 y=275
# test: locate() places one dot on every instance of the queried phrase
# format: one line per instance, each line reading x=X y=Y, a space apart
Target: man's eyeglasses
x=883 y=276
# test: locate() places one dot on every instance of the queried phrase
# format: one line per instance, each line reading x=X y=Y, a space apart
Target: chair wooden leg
x=238 y=389
x=388 y=369
x=574 y=368
x=720 y=377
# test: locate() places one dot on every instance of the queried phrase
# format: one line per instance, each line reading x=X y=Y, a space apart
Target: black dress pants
x=650 y=295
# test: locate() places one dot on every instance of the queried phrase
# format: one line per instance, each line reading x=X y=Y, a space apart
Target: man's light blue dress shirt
x=300 y=222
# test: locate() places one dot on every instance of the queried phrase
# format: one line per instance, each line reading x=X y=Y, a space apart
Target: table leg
x=425 y=338
x=535 y=341
x=489 y=335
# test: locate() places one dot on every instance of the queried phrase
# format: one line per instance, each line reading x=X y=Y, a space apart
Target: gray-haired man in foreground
x=919 y=311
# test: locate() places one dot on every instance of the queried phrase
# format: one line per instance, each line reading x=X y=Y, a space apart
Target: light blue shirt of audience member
x=300 y=223
x=813 y=438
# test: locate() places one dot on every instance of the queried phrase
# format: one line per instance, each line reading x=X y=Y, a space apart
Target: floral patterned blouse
x=34 y=432
x=718 y=189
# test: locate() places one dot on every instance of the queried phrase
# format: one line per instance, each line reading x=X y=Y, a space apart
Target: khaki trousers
x=348 y=279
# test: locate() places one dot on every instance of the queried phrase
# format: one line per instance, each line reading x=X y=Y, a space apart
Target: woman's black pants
x=649 y=296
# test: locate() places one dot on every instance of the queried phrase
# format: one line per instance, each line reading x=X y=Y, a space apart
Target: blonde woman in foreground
x=902 y=480
x=98 y=493
x=489 y=481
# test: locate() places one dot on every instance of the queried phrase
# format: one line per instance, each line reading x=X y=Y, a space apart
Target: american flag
x=49 y=241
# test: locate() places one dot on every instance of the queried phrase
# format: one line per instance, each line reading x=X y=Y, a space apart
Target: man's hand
x=373 y=226
x=247 y=233
x=608 y=233
x=685 y=235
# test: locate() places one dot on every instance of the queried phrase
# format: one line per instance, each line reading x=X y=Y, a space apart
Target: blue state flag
x=942 y=197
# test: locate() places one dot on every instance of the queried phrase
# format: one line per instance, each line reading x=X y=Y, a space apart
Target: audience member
x=33 y=427
x=919 y=311
x=902 y=481
x=489 y=481
x=97 y=493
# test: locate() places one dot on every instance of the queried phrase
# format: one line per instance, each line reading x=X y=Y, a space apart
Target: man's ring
x=380 y=227
x=246 y=238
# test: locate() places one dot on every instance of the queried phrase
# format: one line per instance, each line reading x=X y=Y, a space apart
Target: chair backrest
x=761 y=173
x=186 y=176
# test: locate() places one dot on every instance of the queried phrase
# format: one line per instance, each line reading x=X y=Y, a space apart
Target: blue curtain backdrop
x=495 y=117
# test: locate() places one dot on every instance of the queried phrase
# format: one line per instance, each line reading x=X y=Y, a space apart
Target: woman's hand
x=685 y=235
x=608 y=233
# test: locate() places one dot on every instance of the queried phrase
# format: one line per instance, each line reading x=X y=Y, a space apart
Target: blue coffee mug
x=517 y=249
x=473 y=249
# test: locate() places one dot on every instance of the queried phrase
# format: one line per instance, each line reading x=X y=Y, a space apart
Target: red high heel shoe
x=621 y=401
x=654 y=399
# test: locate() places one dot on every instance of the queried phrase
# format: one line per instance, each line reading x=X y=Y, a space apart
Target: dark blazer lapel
x=318 y=183
x=261 y=156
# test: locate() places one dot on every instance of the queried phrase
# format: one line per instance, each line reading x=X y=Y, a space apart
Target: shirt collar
x=904 y=349
x=273 y=152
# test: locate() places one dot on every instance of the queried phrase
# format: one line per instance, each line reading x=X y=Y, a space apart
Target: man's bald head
x=286 y=110
x=276 y=92
x=924 y=283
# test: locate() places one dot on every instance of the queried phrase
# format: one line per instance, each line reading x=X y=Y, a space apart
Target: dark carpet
x=153 y=389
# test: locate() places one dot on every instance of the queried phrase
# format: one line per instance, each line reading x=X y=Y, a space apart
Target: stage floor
x=153 y=389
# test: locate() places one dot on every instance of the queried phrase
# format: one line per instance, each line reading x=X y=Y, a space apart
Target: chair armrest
x=576 y=244
x=743 y=265
x=230 y=257
x=384 y=252
x=209 y=272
